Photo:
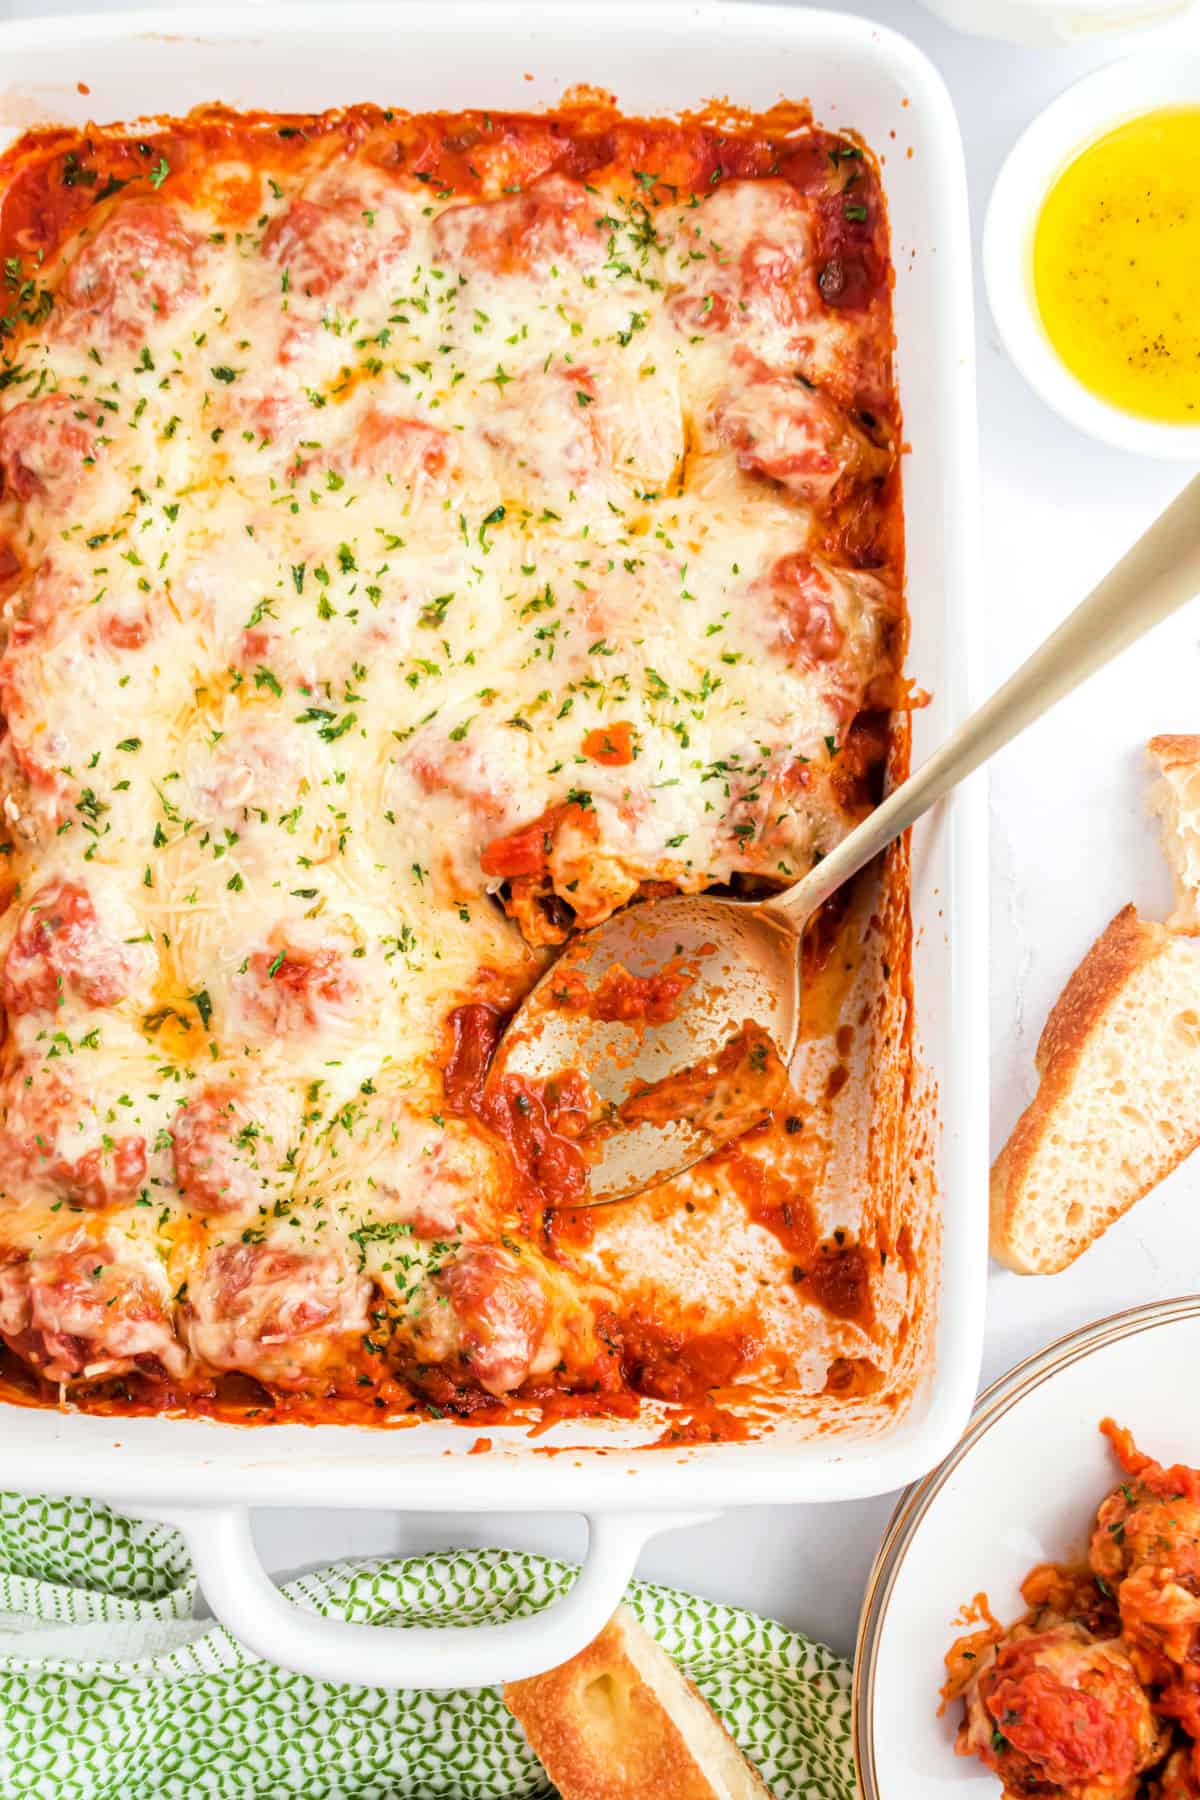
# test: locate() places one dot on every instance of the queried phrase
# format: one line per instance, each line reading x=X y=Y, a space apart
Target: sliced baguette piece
x=1118 y=1105
x=621 y=1722
x=1175 y=797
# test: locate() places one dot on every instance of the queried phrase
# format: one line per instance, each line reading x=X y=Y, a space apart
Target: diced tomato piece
x=613 y=745
x=526 y=850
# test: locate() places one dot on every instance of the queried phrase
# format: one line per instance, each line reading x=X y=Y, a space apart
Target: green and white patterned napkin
x=110 y=1689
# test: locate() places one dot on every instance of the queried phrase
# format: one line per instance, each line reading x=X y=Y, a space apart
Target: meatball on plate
x=1032 y=1626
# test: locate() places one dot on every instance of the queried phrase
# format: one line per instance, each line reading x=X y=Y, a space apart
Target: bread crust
x=1126 y=945
x=602 y=1731
x=1175 y=749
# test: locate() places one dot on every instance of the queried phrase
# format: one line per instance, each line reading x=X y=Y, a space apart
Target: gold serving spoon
x=668 y=1093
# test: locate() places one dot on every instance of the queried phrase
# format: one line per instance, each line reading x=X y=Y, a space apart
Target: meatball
x=1179 y=1699
x=46 y=447
x=1146 y=1546
x=230 y=1141
x=487 y=1320
x=745 y=263
x=438 y=1176
x=138 y=269
x=273 y=1312
x=1160 y=1617
x=332 y=245
x=88 y=1310
x=408 y=452
x=62 y=945
x=792 y=434
x=1058 y=1712
x=554 y=219
x=310 y=978
x=55 y=1136
x=1141 y=1524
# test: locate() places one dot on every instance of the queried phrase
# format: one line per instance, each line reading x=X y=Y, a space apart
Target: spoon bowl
x=644 y=1008
x=674 y=1022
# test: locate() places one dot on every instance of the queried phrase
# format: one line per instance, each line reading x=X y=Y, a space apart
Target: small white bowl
x=1089 y=110
x=1050 y=22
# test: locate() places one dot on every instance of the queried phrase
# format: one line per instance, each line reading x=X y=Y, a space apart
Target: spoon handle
x=1152 y=580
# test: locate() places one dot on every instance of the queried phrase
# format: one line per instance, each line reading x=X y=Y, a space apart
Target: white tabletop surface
x=1070 y=844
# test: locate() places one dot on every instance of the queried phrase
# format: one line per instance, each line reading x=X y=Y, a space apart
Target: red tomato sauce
x=669 y=1362
x=834 y=1272
x=621 y=996
x=534 y=1119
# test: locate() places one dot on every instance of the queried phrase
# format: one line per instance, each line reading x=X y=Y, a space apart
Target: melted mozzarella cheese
x=343 y=534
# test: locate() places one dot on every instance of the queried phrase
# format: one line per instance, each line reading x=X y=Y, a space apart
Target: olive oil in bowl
x=1116 y=266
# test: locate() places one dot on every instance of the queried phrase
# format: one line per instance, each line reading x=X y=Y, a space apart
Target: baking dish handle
x=247 y=1602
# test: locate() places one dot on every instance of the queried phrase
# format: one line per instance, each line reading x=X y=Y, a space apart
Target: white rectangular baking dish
x=655 y=58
